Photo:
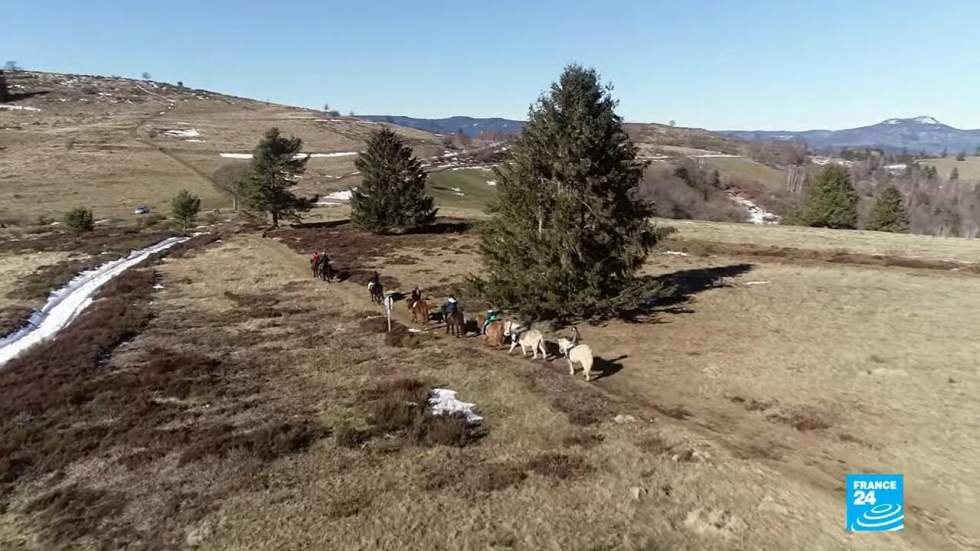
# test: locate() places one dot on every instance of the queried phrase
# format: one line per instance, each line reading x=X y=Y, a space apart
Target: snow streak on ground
x=65 y=304
x=335 y=198
x=297 y=156
x=757 y=215
x=183 y=134
x=18 y=108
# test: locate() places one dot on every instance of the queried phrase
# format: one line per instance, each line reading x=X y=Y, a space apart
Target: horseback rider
x=416 y=295
x=451 y=306
x=492 y=316
x=315 y=263
x=375 y=280
x=325 y=271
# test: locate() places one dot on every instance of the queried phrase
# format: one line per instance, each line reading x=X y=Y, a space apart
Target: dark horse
x=456 y=322
x=377 y=292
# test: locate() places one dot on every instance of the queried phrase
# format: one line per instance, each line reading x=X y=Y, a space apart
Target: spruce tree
x=391 y=197
x=888 y=213
x=79 y=220
x=566 y=234
x=831 y=201
x=3 y=87
x=184 y=207
x=276 y=163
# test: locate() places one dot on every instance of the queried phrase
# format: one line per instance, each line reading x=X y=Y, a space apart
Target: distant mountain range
x=914 y=134
x=471 y=127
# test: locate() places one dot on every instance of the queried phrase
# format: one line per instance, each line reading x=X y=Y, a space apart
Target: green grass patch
x=466 y=188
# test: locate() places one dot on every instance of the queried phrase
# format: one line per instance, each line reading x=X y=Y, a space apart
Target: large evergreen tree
x=888 y=213
x=265 y=188
x=831 y=201
x=566 y=234
x=391 y=197
x=3 y=87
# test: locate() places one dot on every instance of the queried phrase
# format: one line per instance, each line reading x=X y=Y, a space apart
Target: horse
x=494 y=335
x=420 y=311
x=576 y=353
x=377 y=292
x=527 y=339
x=455 y=323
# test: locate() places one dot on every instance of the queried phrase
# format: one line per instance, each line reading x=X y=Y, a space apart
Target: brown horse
x=456 y=323
x=494 y=335
x=420 y=311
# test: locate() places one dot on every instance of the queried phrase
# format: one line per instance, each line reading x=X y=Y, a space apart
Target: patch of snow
x=189 y=133
x=757 y=215
x=321 y=155
x=18 y=108
x=675 y=253
x=443 y=401
x=893 y=121
x=157 y=286
x=898 y=168
x=194 y=141
x=297 y=156
x=456 y=189
x=491 y=182
x=340 y=195
x=925 y=120
x=715 y=155
x=66 y=303
x=756 y=283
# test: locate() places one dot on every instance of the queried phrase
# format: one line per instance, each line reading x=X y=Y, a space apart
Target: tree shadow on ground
x=670 y=292
x=687 y=283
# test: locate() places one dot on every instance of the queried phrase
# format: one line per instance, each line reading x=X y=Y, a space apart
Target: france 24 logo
x=875 y=502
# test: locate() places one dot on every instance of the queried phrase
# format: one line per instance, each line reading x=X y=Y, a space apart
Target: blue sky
x=716 y=64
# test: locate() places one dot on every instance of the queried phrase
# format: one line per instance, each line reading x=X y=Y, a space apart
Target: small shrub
x=79 y=220
x=349 y=437
x=445 y=430
x=556 y=465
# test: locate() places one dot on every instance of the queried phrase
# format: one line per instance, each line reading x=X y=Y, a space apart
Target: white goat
x=577 y=354
x=527 y=339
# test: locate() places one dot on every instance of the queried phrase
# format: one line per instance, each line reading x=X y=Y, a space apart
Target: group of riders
x=321 y=268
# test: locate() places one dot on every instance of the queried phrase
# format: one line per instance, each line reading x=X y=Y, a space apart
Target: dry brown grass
x=543 y=479
x=106 y=142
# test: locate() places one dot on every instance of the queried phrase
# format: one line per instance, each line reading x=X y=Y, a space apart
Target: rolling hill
x=914 y=134
x=469 y=126
x=112 y=144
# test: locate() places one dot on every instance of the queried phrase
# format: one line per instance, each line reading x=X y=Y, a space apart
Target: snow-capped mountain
x=915 y=134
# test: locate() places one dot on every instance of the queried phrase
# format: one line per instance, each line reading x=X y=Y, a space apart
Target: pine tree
x=831 y=201
x=954 y=175
x=79 y=220
x=566 y=235
x=185 y=206
x=3 y=87
x=888 y=213
x=276 y=162
x=391 y=197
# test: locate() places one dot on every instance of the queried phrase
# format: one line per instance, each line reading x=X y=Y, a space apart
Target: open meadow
x=272 y=405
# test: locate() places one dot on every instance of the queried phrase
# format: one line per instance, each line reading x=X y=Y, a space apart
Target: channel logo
x=875 y=502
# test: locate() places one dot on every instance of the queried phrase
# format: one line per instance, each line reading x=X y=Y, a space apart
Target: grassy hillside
x=112 y=144
x=464 y=188
x=969 y=168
